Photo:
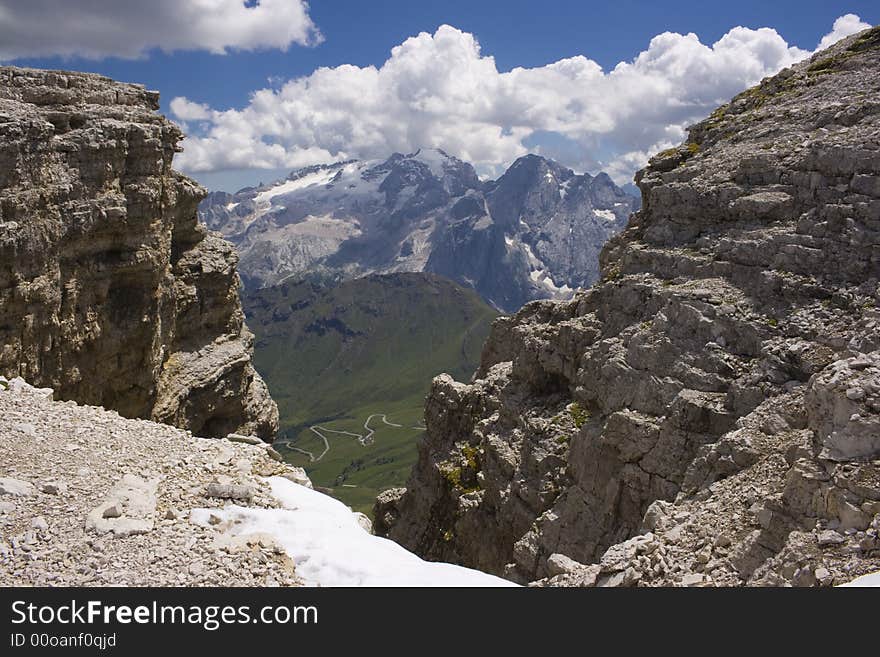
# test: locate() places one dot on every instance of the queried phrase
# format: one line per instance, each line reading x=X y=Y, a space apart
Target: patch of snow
x=870 y=580
x=544 y=278
x=321 y=177
x=607 y=215
x=563 y=189
x=435 y=161
x=564 y=290
x=534 y=261
x=330 y=548
x=231 y=206
x=351 y=182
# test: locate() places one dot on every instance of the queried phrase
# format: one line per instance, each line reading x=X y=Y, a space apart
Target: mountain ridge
x=427 y=211
x=111 y=291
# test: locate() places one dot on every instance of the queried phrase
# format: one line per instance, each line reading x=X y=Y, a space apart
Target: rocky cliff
x=710 y=412
x=111 y=291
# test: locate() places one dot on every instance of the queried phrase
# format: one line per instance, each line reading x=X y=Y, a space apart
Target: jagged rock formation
x=111 y=291
x=534 y=233
x=709 y=413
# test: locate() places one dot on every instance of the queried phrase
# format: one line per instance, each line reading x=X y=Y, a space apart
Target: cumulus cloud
x=843 y=27
x=186 y=110
x=440 y=90
x=130 y=28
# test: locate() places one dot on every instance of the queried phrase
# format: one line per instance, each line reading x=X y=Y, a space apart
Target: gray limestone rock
x=16 y=487
x=720 y=380
x=229 y=491
x=128 y=509
x=111 y=291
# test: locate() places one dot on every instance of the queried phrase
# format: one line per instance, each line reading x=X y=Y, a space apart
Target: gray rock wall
x=708 y=412
x=111 y=291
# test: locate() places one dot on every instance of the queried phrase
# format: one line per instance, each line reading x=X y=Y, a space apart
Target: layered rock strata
x=111 y=291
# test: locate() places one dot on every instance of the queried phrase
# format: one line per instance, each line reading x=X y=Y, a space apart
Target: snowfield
x=870 y=580
x=321 y=177
x=330 y=548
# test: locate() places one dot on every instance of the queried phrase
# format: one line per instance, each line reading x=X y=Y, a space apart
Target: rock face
x=111 y=291
x=534 y=233
x=708 y=413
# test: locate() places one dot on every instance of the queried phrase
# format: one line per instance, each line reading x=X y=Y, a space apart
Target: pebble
x=53 y=488
x=855 y=393
x=830 y=537
x=229 y=491
x=722 y=540
x=27 y=429
x=823 y=576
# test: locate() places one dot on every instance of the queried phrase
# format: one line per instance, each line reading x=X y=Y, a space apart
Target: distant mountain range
x=533 y=233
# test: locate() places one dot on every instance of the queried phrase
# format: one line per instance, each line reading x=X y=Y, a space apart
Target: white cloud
x=130 y=28
x=186 y=110
x=440 y=90
x=843 y=27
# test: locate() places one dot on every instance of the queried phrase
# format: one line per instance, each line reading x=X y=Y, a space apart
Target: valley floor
x=354 y=463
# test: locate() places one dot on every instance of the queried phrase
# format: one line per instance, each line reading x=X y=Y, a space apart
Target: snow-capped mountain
x=533 y=233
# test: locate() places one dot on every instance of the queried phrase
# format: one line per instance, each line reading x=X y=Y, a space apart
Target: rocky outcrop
x=708 y=413
x=111 y=291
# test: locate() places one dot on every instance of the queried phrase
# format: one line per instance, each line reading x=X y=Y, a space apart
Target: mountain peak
x=533 y=233
x=533 y=161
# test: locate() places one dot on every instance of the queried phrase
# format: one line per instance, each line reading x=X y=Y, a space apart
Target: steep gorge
x=111 y=291
x=709 y=413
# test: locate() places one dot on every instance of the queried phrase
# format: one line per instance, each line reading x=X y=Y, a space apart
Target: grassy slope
x=332 y=356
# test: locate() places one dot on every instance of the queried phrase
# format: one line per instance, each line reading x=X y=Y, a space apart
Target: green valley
x=349 y=365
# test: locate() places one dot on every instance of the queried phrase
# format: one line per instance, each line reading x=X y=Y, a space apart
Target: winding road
x=368 y=439
x=363 y=439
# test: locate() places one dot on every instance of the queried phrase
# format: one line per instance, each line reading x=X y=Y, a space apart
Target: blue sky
x=532 y=35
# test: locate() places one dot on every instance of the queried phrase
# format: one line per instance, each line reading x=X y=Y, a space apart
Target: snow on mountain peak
x=428 y=211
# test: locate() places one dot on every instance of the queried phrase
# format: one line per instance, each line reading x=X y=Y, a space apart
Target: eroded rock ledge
x=709 y=413
x=111 y=292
